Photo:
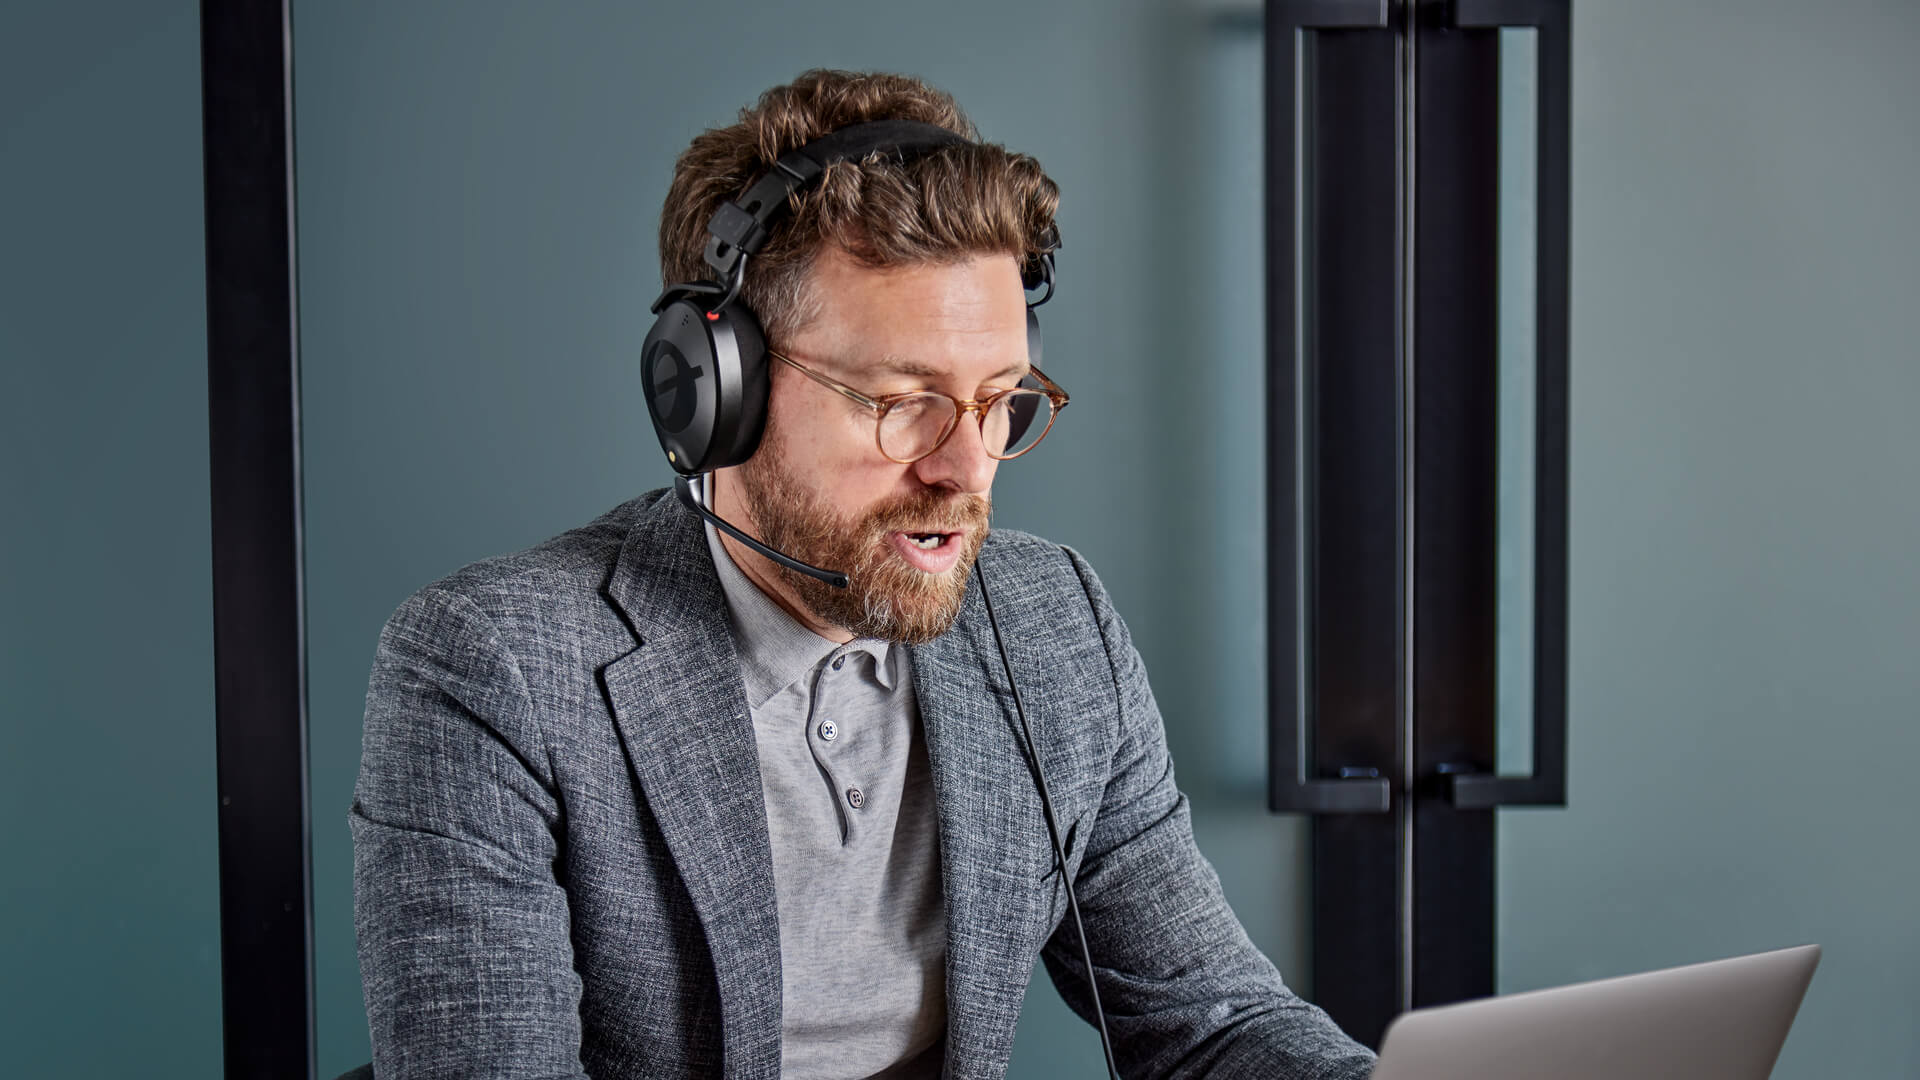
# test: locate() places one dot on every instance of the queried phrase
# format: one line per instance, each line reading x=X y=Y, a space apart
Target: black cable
x=1053 y=826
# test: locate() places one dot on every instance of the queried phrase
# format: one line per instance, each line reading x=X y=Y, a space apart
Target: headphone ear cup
x=1033 y=338
x=746 y=410
x=704 y=375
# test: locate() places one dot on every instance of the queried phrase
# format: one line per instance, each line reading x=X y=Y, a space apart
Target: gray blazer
x=561 y=863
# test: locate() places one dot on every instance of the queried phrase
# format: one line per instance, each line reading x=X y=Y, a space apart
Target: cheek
x=830 y=453
x=817 y=433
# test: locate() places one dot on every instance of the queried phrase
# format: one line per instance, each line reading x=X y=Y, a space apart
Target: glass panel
x=110 y=898
x=1744 y=612
x=1518 y=164
x=1232 y=342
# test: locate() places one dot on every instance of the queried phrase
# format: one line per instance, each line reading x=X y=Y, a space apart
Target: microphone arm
x=683 y=487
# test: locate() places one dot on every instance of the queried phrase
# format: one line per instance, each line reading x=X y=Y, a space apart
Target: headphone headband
x=741 y=227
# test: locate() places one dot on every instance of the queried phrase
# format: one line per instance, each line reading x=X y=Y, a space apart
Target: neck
x=725 y=501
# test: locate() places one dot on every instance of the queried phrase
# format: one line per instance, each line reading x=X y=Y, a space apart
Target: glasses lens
x=1016 y=422
x=912 y=426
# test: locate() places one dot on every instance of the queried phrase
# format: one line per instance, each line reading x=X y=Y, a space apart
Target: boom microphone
x=683 y=487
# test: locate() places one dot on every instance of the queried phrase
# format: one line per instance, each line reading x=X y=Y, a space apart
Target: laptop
x=1724 y=1019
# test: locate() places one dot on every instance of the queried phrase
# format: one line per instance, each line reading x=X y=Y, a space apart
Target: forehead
x=919 y=319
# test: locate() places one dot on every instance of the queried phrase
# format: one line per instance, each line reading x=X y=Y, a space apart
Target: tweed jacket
x=561 y=856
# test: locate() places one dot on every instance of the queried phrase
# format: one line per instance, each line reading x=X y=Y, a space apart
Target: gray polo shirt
x=856 y=861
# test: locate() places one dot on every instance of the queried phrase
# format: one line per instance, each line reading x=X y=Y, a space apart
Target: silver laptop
x=1725 y=1019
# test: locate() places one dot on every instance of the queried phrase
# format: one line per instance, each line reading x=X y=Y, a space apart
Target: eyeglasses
x=913 y=425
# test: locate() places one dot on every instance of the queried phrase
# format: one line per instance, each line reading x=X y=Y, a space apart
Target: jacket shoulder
x=560 y=578
x=1048 y=567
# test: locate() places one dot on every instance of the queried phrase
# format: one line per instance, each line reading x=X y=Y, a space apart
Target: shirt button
x=829 y=730
x=839 y=662
x=856 y=798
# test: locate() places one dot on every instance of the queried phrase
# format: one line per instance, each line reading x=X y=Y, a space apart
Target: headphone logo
x=672 y=391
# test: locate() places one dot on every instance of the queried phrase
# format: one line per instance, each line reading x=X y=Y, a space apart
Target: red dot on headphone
x=713 y=316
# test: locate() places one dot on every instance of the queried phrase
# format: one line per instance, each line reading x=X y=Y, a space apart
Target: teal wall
x=109 y=900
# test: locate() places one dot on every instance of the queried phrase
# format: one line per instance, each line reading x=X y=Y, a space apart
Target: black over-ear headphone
x=704 y=363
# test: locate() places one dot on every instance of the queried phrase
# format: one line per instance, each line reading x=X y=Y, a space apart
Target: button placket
x=824 y=736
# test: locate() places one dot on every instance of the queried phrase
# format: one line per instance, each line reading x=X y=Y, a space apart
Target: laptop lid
x=1723 y=1019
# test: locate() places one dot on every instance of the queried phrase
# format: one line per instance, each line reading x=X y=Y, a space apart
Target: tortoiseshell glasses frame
x=882 y=404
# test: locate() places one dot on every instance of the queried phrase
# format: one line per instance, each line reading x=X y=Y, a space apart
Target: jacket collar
x=663 y=581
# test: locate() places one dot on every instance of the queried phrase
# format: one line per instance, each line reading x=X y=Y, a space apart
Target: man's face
x=819 y=488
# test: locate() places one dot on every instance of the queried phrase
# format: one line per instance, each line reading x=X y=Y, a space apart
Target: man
x=641 y=802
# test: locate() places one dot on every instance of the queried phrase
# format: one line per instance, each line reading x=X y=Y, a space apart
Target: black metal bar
x=1456 y=337
x=1352 y=785
x=1333 y=461
x=1546 y=785
x=266 y=906
x=1355 y=529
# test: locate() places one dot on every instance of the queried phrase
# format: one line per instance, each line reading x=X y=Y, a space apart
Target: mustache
x=932 y=510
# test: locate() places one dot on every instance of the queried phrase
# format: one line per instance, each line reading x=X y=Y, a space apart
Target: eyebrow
x=902 y=365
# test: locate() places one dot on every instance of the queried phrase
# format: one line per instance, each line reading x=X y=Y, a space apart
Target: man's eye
x=909 y=408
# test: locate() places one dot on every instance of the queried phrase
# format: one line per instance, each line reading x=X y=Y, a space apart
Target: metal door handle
x=1547 y=784
x=1357 y=789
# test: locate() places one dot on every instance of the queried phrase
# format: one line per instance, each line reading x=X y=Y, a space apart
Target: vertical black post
x=266 y=907
x=1456 y=475
x=1334 y=343
x=1354 y=601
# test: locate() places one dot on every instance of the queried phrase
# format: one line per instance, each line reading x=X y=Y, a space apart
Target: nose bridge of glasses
x=951 y=421
x=961 y=407
x=1000 y=407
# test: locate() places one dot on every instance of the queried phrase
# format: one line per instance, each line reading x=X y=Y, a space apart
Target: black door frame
x=253 y=388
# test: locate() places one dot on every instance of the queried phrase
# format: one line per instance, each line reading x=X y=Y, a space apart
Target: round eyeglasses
x=913 y=425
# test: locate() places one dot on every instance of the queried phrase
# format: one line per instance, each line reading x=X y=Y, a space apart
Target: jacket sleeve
x=463 y=934
x=1184 y=990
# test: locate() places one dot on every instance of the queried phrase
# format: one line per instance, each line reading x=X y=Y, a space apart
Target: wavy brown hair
x=946 y=204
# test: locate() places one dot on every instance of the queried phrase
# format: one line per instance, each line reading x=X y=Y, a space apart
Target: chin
x=892 y=601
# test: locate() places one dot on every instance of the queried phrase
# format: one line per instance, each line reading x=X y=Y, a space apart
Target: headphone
x=703 y=366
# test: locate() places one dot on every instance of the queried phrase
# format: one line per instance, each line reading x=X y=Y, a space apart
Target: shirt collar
x=775 y=650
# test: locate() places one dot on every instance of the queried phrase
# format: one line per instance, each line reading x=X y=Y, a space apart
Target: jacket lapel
x=681 y=710
x=992 y=836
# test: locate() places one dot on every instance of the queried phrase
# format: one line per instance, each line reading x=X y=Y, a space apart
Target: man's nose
x=961 y=463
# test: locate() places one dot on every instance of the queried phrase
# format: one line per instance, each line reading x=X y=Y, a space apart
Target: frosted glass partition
x=110 y=895
x=1744 y=611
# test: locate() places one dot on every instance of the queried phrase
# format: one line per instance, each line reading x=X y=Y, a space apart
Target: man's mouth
x=928 y=552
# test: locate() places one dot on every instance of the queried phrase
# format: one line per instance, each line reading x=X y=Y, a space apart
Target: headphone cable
x=1053 y=826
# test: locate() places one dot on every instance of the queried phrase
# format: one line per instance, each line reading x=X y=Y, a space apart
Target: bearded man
x=642 y=801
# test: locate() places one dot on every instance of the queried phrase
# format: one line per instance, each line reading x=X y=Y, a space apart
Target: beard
x=885 y=597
